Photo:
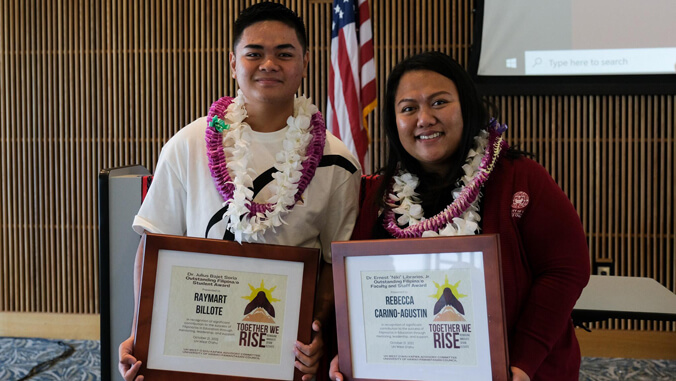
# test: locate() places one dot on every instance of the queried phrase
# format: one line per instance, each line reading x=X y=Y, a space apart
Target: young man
x=268 y=172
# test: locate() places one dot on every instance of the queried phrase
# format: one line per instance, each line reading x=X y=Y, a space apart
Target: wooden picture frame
x=399 y=306
x=219 y=310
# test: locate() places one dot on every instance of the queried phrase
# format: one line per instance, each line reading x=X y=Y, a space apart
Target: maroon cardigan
x=545 y=263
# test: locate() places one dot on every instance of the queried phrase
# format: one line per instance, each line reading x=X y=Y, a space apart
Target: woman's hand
x=334 y=372
x=518 y=374
x=307 y=356
x=128 y=364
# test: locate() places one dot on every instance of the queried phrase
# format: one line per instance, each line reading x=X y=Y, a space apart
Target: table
x=623 y=297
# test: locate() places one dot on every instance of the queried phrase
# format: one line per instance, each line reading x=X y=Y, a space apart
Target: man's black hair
x=268 y=11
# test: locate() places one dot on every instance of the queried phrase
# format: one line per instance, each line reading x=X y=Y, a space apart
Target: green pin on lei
x=218 y=124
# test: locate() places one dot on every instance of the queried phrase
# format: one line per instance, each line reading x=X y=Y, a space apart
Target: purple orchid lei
x=218 y=163
x=464 y=200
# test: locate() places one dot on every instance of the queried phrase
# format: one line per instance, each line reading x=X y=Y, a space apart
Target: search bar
x=601 y=61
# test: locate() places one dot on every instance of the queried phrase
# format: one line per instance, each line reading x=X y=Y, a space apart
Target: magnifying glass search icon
x=537 y=62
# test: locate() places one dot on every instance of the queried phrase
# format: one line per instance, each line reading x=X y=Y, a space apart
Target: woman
x=450 y=173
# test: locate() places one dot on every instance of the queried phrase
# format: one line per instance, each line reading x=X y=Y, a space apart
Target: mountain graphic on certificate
x=260 y=309
x=448 y=307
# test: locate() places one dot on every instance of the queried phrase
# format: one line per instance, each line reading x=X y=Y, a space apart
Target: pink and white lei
x=462 y=216
x=228 y=152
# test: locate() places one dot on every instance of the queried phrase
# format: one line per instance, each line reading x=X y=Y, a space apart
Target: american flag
x=352 y=75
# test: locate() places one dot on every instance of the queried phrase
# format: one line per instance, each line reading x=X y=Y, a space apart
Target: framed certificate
x=220 y=310
x=420 y=309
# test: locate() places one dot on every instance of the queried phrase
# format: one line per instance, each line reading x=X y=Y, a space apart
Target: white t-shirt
x=183 y=198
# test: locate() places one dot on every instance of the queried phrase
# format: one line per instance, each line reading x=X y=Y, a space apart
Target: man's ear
x=233 y=61
x=306 y=61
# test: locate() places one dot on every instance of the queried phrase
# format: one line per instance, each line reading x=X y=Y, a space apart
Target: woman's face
x=429 y=118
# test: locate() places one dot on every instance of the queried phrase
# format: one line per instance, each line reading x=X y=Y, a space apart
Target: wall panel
x=86 y=85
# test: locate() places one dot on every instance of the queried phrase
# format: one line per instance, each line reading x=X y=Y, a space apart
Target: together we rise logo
x=258 y=327
x=450 y=328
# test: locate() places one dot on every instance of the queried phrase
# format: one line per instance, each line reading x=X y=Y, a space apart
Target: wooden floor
x=50 y=326
x=628 y=344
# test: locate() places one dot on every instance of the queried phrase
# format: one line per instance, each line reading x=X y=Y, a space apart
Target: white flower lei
x=411 y=212
x=289 y=166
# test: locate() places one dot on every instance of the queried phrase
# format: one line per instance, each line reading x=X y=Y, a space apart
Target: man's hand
x=334 y=372
x=307 y=356
x=128 y=365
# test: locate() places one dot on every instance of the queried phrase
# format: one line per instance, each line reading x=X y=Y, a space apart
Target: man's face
x=269 y=63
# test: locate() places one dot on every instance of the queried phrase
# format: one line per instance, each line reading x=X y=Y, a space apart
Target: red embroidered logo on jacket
x=519 y=203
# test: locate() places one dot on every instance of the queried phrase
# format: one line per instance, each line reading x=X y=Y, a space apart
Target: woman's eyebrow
x=430 y=96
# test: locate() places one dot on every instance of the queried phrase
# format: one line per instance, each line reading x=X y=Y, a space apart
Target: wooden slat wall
x=86 y=85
